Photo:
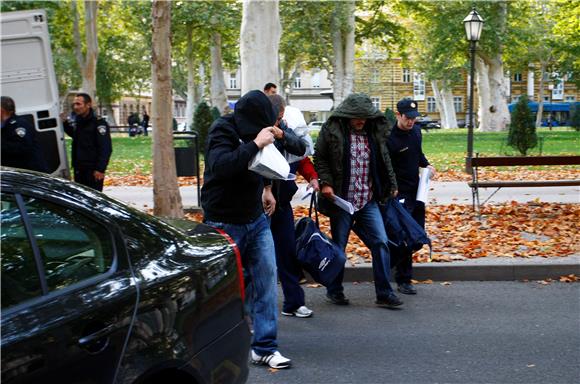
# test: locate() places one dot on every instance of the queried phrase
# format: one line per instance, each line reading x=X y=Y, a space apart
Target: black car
x=94 y=291
x=426 y=123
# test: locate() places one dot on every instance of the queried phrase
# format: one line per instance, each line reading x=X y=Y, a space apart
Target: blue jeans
x=259 y=260
x=368 y=224
x=282 y=225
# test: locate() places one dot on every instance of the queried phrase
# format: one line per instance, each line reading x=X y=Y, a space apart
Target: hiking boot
x=391 y=301
x=407 y=289
x=337 y=298
x=301 y=312
x=274 y=360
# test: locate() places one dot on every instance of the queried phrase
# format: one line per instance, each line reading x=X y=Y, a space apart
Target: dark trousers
x=402 y=258
x=289 y=270
x=85 y=177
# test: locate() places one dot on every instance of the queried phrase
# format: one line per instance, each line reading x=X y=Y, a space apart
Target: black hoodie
x=231 y=193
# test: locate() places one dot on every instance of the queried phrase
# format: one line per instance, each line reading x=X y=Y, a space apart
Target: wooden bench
x=501 y=161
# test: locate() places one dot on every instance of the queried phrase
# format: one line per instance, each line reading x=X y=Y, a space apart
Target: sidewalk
x=442 y=193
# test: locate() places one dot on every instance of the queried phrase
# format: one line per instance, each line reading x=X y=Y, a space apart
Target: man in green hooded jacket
x=352 y=160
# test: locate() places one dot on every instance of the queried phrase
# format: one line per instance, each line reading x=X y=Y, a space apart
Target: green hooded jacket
x=333 y=163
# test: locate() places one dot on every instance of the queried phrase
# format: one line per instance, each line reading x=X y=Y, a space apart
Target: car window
x=73 y=247
x=20 y=280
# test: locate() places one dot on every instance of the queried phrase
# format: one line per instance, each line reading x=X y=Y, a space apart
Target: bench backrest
x=498 y=161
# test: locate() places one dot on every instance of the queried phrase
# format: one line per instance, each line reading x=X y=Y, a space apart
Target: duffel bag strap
x=314 y=203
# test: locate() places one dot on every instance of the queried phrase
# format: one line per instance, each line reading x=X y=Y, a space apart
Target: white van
x=27 y=75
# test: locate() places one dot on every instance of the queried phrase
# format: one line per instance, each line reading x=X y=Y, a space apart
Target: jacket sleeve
x=68 y=128
x=225 y=156
x=306 y=169
x=292 y=143
x=104 y=145
x=15 y=145
x=322 y=158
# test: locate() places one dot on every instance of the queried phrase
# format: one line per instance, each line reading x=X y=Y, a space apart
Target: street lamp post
x=473 y=25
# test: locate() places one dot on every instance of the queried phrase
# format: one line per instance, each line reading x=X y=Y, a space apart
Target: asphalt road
x=465 y=332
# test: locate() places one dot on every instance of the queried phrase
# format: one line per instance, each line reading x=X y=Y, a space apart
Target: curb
x=465 y=271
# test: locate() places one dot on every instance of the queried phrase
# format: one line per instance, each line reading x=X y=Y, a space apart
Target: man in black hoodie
x=233 y=199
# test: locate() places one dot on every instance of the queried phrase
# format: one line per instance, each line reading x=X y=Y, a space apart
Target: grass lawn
x=444 y=148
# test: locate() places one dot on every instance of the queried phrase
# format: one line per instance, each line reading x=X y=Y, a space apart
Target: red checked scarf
x=359 y=187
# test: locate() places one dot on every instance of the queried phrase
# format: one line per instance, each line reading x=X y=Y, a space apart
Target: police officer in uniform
x=405 y=149
x=20 y=149
x=91 y=144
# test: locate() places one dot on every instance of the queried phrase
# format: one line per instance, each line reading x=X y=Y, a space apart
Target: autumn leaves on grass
x=507 y=230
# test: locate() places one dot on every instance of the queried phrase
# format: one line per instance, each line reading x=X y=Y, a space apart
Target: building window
x=406 y=75
x=297 y=82
x=458 y=104
x=546 y=99
x=515 y=99
x=431 y=105
x=315 y=80
x=376 y=102
x=517 y=77
x=374 y=75
x=233 y=80
x=570 y=99
x=418 y=86
x=558 y=91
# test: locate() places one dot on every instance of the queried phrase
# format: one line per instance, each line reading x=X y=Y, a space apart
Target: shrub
x=202 y=119
x=391 y=117
x=215 y=113
x=522 y=132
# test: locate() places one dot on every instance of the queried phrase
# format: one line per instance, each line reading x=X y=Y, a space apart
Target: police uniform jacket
x=91 y=145
x=20 y=148
x=405 y=148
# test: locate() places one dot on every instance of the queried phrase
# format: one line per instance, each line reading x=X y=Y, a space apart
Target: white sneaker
x=274 y=360
x=303 y=311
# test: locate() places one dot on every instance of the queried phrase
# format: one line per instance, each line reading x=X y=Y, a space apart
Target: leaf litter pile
x=505 y=230
x=457 y=233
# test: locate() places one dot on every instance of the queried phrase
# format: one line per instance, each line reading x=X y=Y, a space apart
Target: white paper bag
x=296 y=122
x=270 y=163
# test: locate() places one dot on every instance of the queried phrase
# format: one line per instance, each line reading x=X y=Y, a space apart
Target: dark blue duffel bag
x=317 y=254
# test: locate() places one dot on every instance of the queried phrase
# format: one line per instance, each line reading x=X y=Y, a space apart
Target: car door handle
x=100 y=334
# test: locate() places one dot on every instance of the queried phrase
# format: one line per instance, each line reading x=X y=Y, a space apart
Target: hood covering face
x=252 y=113
x=357 y=106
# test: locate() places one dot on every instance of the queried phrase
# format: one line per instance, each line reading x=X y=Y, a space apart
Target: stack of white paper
x=423 y=190
x=347 y=206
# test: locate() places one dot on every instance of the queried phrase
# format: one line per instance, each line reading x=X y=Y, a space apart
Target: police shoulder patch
x=102 y=129
x=20 y=131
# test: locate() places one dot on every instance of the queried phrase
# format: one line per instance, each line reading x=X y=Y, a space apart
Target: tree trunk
x=200 y=89
x=259 y=44
x=218 y=85
x=439 y=104
x=499 y=112
x=448 y=107
x=541 y=95
x=337 y=66
x=88 y=62
x=190 y=101
x=349 y=48
x=166 y=197
x=343 y=46
x=110 y=115
x=483 y=94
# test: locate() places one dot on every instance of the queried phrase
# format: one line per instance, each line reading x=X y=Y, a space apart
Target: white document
x=424 y=179
x=347 y=206
x=305 y=192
